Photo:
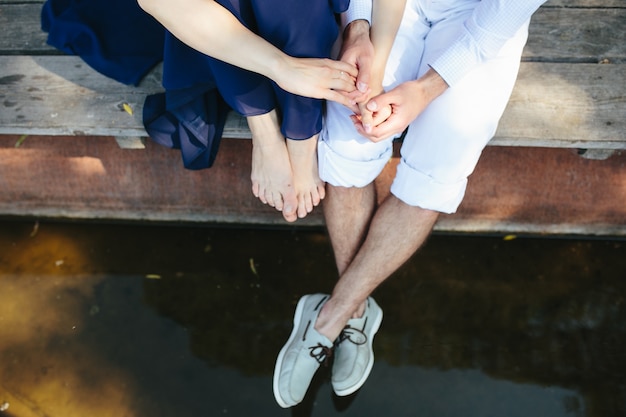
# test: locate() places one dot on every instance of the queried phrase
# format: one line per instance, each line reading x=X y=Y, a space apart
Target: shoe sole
x=297 y=318
x=370 y=365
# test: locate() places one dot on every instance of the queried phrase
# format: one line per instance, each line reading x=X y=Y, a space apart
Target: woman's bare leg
x=309 y=188
x=272 y=179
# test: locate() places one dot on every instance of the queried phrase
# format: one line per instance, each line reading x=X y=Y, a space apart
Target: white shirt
x=491 y=24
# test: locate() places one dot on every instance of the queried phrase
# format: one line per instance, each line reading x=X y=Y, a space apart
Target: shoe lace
x=355 y=336
x=320 y=353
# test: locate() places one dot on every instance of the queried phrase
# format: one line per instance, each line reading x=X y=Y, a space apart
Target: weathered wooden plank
x=554 y=105
x=513 y=190
x=556 y=34
x=585 y=3
x=565 y=105
x=46 y=94
x=61 y=95
x=577 y=35
x=570 y=3
x=21 y=29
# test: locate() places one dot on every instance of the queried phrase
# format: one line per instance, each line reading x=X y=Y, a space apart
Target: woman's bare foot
x=308 y=186
x=272 y=180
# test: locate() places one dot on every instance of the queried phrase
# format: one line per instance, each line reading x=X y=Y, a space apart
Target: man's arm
x=491 y=25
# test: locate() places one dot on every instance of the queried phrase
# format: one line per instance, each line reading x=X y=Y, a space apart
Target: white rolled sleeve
x=491 y=25
x=357 y=10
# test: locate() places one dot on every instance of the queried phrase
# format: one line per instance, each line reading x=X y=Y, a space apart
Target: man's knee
x=422 y=215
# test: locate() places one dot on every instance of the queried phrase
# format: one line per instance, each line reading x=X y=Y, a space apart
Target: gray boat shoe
x=303 y=353
x=353 y=355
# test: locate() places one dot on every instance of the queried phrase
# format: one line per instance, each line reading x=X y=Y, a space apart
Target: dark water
x=131 y=320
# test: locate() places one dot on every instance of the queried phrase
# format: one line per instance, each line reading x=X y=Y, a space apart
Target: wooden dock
x=556 y=165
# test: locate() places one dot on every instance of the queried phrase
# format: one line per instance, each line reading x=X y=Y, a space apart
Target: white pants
x=443 y=144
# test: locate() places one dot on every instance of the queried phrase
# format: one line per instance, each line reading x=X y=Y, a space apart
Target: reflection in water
x=162 y=321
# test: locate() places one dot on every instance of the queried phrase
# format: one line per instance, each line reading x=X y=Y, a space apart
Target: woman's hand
x=228 y=40
x=317 y=78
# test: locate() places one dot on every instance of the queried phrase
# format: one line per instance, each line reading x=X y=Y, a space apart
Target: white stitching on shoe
x=320 y=303
x=356 y=336
x=306 y=330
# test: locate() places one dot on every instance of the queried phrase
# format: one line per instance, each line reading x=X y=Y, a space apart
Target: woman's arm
x=386 y=18
x=211 y=29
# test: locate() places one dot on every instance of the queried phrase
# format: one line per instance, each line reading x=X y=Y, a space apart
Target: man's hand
x=407 y=101
x=368 y=118
x=357 y=50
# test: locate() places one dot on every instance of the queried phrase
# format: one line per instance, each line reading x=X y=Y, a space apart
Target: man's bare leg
x=396 y=232
x=309 y=188
x=272 y=179
x=348 y=213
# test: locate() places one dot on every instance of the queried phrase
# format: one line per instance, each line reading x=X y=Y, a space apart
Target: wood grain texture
x=553 y=104
x=563 y=99
x=575 y=105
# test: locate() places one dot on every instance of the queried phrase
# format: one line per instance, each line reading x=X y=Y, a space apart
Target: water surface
x=146 y=320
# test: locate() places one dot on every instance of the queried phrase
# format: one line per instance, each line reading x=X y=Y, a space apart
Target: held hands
x=393 y=111
x=356 y=82
x=386 y=114
x=358 y=50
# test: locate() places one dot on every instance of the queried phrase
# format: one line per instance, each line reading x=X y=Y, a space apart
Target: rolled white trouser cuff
x=418 y=189
x=443 y=144
x=347 y=159
x=339 y=170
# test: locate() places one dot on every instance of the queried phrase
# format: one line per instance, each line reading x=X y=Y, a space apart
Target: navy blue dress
x=120 y=40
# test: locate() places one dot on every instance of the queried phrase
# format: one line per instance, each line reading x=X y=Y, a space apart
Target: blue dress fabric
x=115 y=37
x=118 y=39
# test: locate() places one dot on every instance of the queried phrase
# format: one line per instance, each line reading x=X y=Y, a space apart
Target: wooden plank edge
x=446 y=224
x=235 y=128
x=243 y=134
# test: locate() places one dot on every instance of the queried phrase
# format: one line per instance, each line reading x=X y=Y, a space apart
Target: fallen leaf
x=510 y=237
x=252 y=267
x=20 y=141
x=127 y=108
x=153 y=276
x=35 y=229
